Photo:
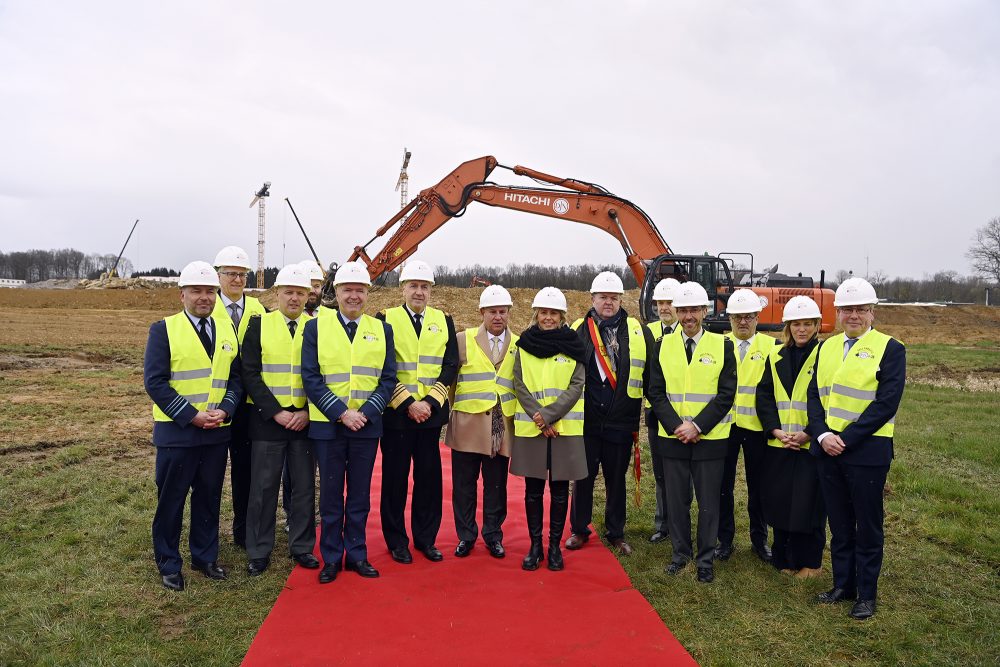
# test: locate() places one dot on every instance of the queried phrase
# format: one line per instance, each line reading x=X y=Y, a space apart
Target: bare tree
x=985 y=250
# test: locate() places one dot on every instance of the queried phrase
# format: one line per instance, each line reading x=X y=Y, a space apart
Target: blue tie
x=848 y=344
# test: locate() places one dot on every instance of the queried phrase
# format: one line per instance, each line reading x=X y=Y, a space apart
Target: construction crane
x=259 y=200
x=402 y=185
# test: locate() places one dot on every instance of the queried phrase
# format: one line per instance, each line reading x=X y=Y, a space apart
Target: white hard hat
x=198 y=273
x=607 y=282
x=855 y=292
x=550 y=297
x=742 y=302
x=352 y=272
x=312 y=269
x=417 y=270
x=800 y=308
x=233 y=256
x=690 y=294
x=664 y=290
x=293 y=275
x=495 y=295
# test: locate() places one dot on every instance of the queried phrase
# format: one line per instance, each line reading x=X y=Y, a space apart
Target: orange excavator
x=646 y=252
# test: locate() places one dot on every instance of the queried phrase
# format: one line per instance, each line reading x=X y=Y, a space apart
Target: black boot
x=558 y=506
x=533 y=511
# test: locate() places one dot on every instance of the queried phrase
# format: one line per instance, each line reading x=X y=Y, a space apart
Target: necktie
x=234 y=313
x=291 y=327
x=744 y=344
x=205 y=336
x=690 y=348
x=352 y=328
x=848 y=344
x=416 y=323
x=495 y=349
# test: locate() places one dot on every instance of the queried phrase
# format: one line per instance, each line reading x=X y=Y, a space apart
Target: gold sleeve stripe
x=400 y=394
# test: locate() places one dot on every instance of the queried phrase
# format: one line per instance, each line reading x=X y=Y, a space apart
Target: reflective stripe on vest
x=476 y=390
x=418 y=361
x=792 y=410
x=847 y=386
x=199 y=380
x=251 y=307
x=546 y=379
x=350 y=370
x=690 y=387
x=748 y=375
x=636 y=353
x=281 y=359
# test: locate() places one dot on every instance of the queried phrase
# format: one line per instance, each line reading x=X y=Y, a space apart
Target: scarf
x=609 y=332
x=545 y=344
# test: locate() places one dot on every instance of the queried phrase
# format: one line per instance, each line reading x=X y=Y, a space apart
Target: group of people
x=307 y=385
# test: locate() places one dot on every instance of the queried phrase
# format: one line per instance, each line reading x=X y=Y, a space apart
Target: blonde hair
x=786 y=333
x=534 y=316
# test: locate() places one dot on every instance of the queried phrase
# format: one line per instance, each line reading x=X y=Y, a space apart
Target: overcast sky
x=812 y=134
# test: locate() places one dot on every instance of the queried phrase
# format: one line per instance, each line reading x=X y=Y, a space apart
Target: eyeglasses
x=234 y=274
x=855 y=310
x=744 y=318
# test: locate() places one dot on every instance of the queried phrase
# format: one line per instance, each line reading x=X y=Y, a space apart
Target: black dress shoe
x=762 y=551
x=706 y=575
x=329 y=573
x=173 y=582
x=432 y=554
x=307 y=561
x=463 y=549
x=835 y=595
x=674 y=568
x=257 y=566
x=863 y=609
x=555 y=559
x=496 y=549
x=723 y=552
x=364 y=568
x=210 y=570
x=659 y=536
x=401 y=555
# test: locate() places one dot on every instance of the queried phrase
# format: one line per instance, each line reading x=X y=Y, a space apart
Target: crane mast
x=403 y=183
x=259 y=200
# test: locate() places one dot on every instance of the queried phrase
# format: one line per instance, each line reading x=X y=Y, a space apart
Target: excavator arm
x=572 y=200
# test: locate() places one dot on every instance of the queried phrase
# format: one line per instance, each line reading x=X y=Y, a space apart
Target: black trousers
x=344 y=461
x=240 y=455
x=707 y=478
x=465 y=469
x=794 y=551
x=853 y=497
x=752 y=443
x=613 y=458
x=179 y=470
x=399 y=448
x=661 y=519
x=269 y=458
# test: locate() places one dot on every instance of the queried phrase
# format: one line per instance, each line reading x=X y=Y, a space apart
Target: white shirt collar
x=345 y=319
x=501 y=337
x=226 y=301
x=696 y=338
x=196 y=321
x=413 y=314
x=859 y=337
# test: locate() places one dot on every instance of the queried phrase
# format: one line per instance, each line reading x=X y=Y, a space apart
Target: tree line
x=66 y=263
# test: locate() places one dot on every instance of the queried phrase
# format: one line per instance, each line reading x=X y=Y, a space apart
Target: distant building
x=10 y=282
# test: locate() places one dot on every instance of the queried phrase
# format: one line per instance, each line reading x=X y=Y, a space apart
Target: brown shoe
x=809 y=573
x=623 y=547
x=576 y=541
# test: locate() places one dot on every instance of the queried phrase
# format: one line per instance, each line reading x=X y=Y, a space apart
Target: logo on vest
x=865 y=353
x=433 y=328
x=560 y=359
x=370 y=337
x=756 y=356
x=227 y=347
x=706 y=359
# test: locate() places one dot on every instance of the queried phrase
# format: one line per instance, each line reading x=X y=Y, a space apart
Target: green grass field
x=78 y=585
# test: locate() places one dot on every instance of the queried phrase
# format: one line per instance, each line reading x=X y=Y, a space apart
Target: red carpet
x=476 y=610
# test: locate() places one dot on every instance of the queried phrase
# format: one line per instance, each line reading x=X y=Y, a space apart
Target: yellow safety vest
x=476 y=390
x=656 y=328
x=848 y=386
x=418 y=361
x=198 y=379
x=350 y=370
x=636 y=353
x=281 y=359
x=749 y=371
x=505 y=383
x=251 y=307
x=792 y=410
x=691 y=387
x=546 y=379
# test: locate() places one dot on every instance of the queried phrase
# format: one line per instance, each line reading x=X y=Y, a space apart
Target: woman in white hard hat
x=793 y=504
x=541 y=383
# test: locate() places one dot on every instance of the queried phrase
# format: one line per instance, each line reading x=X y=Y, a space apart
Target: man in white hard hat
x=852 y=403
x=316 y=277
x=477 y=431
x=349 y=373
x=426 y=365
x=663 y=298
x=271 y=357
x=692 y=386
x=191 y=371
x=233 y=307
x=747 y=433
x=617 y=348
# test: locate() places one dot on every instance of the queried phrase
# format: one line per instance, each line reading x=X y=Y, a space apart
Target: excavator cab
x=711 y=272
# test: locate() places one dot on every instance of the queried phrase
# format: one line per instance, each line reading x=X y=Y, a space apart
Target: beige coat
x=471 y=432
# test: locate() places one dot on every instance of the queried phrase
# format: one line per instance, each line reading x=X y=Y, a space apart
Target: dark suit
x=853 y=482
x=701 y=462
x=188 y=458
x=345 y=455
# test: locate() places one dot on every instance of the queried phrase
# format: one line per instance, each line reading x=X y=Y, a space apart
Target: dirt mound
x=123 y=283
